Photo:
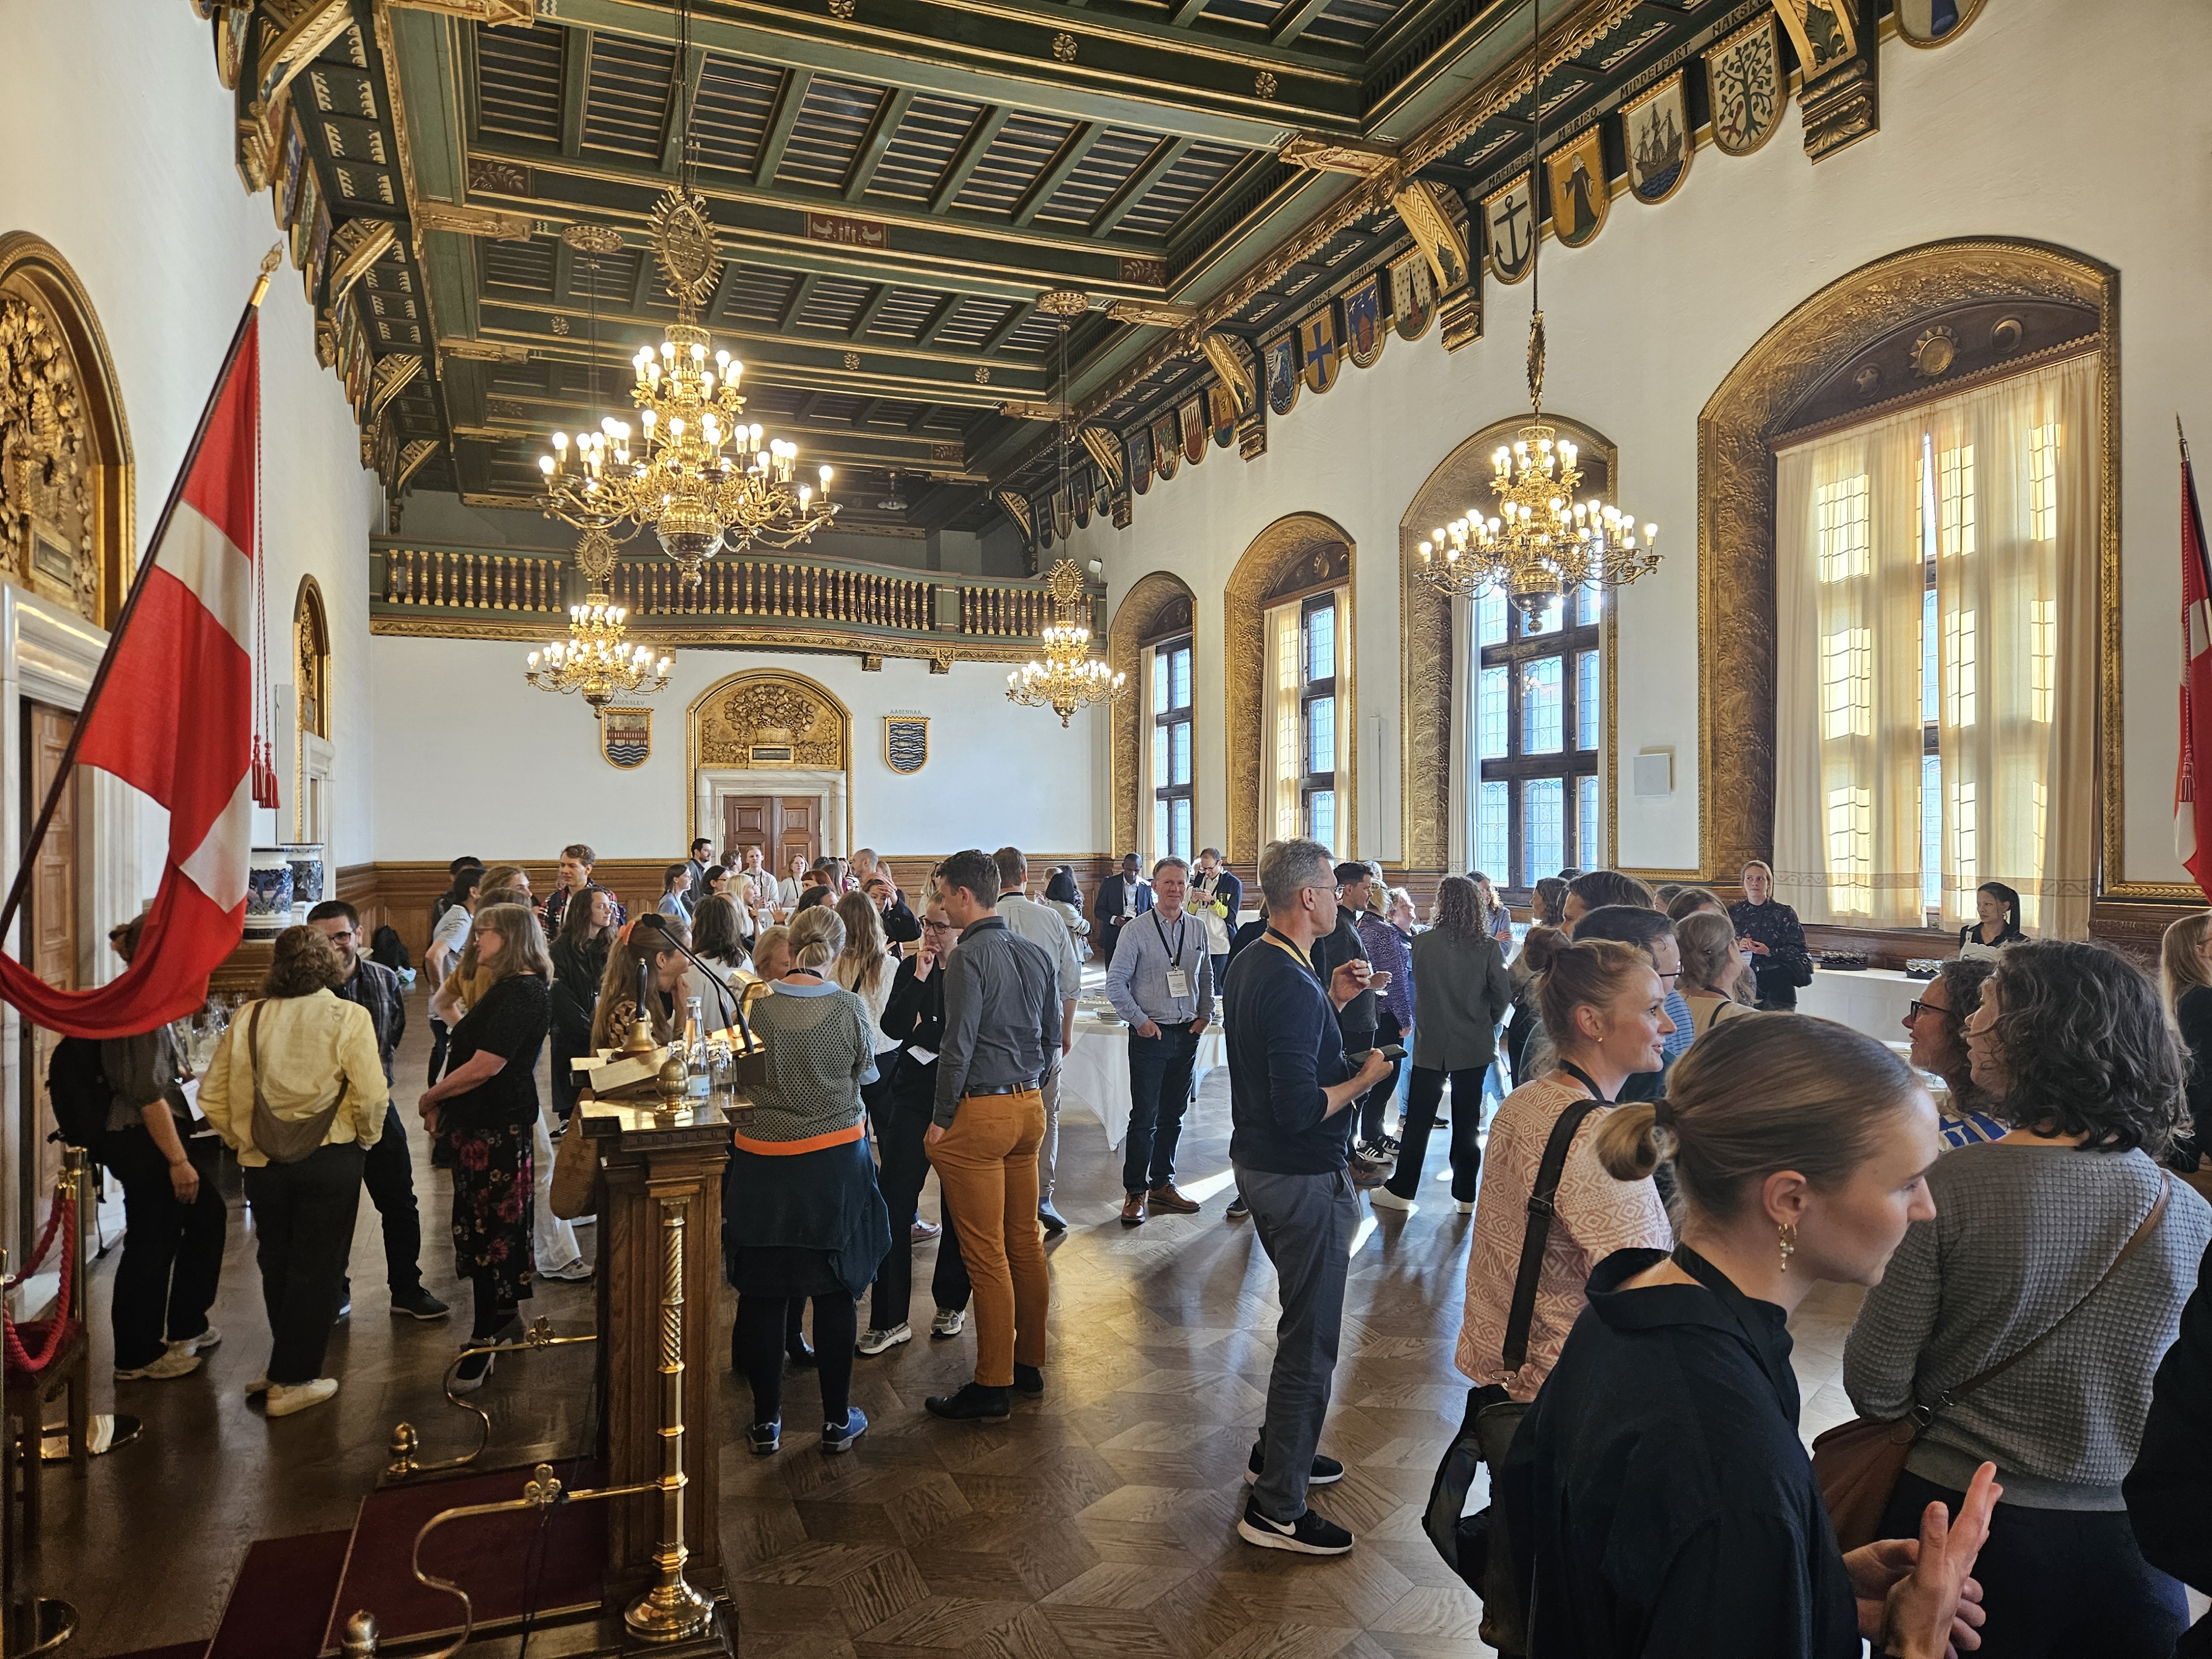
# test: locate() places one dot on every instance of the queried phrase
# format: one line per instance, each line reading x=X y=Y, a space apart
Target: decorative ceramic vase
x=306 y=860
x=268 y=893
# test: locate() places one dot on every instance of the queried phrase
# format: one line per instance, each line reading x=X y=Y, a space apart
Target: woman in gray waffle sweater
x=2071 y=1044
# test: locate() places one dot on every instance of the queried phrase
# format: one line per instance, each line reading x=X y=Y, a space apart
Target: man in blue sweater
x=1289 y=1086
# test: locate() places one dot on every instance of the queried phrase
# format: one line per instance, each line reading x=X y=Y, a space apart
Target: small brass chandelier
x=1069 y=677
x=1542 y=543
x=596 y=661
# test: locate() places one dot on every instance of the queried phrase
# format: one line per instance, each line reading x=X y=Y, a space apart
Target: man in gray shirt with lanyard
x=1161 y=983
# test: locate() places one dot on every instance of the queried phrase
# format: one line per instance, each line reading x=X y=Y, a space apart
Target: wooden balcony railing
x=425 y=588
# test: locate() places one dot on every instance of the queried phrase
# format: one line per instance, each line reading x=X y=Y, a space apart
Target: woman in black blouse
x=486 y=1105
x=913 y=1017
x=1769 y=929
x=1996 y=907
x=579 y=957
x=1657 y=1492
x=2184 y=979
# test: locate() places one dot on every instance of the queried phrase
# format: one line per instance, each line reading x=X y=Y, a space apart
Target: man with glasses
x=1290 y=1087
x=913 y=1017
x=1161 y=984
x=1358 y=1019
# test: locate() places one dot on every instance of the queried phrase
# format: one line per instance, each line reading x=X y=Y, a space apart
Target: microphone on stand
x=659 y=924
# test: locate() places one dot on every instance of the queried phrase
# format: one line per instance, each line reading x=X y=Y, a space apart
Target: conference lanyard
x=1583 y=1077
x=1178 y=981
x=1282 y=943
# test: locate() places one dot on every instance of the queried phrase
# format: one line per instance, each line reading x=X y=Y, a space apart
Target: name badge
x=1178 y=983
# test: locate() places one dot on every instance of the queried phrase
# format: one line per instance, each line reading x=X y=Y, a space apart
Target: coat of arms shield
x=1318 y=341
x=1280 y=358
x=906 y=742
x=1744 y=75
x=1192 y=416
x=1412 y=295
x=1509 y=220
x=1167 y=446
x=625 y=736
x=1580 y=196
x=1660 y=140
x=1221 y=406
x=1363 y=321
x=1140 y=459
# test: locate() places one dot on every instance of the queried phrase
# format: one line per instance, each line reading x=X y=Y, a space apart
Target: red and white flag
x=2192 y=788
x=174 y=720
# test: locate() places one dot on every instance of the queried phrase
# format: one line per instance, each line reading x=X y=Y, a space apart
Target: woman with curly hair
x=486 y=1105
x=296 y=1089
x=2076 y=1055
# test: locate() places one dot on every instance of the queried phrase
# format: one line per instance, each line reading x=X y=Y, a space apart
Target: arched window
x=1293 y=704
x=311 y=702
x=1155 y=760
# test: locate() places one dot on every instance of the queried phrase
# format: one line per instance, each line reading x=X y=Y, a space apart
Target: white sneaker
x=874 y=1341
x=259 y=1385
x=1466 y=1207
x=207 y=1338
x=1383 y=1199
x=575 y=1273
x=950 y=1322
x=285 y=1398
x=174 y=1362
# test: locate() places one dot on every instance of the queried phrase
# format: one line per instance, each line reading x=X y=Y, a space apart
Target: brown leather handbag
x=284 y=1140
x=574 y=1192
x=1857 y=1464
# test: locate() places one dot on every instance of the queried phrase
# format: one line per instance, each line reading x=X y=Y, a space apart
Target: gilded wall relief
x=1296 y=554
x=772 y=721
x=1832 y=330
x=1147 y=612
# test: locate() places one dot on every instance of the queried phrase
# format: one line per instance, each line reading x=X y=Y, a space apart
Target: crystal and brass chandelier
x=596 y=661
x=1069 y=677
x=1542 y=543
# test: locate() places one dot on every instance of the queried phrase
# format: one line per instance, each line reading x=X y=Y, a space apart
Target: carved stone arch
x=1278 y=562
x=1143 y=615
x=769 y=726
x=65 y=463
x=1430 y=656
x=1736 y=433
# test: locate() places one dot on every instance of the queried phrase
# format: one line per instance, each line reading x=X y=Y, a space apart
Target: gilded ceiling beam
x=879 y=140
x=972 y=152
x=777 y=139
x=1061 y=170
x=1139 y=184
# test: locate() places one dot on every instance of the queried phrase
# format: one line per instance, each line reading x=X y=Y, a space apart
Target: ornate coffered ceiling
x=895 y=183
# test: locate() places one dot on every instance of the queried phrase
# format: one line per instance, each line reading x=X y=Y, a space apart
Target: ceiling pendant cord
x=1536 y=226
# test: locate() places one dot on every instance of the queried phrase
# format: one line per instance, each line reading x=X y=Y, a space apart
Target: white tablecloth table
x=1097 y=1070
x=1872 y=999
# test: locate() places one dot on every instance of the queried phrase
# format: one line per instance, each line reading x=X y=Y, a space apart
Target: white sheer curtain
x=1148 y=836
x=1346 y=737
x=2015 y=493
x=1279 y=732
x=2000 y=486
x=1850 y=581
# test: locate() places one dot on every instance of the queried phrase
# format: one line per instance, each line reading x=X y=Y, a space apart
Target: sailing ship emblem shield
x=1660 y=141
x=625 y=736
x=906 y=742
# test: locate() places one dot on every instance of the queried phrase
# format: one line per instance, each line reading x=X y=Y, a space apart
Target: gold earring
x=1786 y=1235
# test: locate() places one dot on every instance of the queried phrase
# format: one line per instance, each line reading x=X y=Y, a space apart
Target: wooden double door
x=779 y=825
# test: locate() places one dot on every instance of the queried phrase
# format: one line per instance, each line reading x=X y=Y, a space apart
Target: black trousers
x=303 y=1216
x=757 y=1344
x=388 y=1172
x=899 y=1135
x=172 y=1262
x=1159 y=1094
x=439 y=1032
x=1422 y=1094
x=565 y=1085
x=1375 y=1102
x=2058 y=1582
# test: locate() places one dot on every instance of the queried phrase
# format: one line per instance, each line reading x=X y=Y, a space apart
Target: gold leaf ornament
x=684 y=246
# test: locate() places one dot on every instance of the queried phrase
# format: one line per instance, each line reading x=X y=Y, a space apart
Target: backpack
x=77 y=1083
x=386 y=948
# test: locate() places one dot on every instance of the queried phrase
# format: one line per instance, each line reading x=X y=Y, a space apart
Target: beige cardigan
x=308 y=1043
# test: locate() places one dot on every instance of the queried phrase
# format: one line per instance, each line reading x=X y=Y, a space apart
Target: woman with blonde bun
x=1657 y=1492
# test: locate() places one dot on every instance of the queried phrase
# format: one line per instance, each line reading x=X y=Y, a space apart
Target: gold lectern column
x=672 y=1610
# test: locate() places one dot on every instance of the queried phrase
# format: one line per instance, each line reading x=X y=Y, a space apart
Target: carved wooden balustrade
x=418 y=588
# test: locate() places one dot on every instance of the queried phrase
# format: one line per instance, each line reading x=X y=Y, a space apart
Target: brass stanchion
x=671 y=1611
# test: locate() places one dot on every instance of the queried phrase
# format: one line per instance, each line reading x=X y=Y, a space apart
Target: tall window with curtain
x=1306 y=726
x=1319 y=736
x=1539 y=722
x=1169 y=769
x=1935 y=710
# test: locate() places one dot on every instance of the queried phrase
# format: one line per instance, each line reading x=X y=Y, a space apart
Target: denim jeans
x=1305 y=1224
x=1159 y=1093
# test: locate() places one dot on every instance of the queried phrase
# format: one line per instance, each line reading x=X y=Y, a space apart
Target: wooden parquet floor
x=1097 y=1523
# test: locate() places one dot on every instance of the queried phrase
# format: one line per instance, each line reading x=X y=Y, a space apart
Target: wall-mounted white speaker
x=1655 y=773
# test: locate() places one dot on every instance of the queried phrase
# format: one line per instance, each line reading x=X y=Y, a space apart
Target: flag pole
x=269 y=263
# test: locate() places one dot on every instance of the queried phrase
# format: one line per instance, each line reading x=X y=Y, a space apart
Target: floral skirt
x=493 y=1174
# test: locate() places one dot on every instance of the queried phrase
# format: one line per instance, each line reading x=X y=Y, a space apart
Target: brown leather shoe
x=1167 y=1198
x=1132 y=1210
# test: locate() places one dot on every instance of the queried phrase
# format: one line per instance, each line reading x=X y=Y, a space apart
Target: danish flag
x=171 y=714
x=2192 y=788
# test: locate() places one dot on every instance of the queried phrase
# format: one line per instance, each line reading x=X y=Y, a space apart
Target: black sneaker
x=1390 y=1144
x=765 y=1437
x=974 y=1404
x=797 y=1351
x=1029 y=1380
x=1308 y=1536
x=418 y=1304
x=1238 y=1210
x=1326 y=1471
x=1050 y=1219
x=840 y=1436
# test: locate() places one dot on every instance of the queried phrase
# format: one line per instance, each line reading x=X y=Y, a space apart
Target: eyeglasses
x=1913 y=1010
x=1320 y=887
x=940 y=927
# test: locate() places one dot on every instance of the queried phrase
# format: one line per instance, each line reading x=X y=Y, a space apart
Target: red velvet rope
x=60 y=1222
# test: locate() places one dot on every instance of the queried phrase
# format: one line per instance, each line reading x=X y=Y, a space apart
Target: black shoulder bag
x=1475 y=1546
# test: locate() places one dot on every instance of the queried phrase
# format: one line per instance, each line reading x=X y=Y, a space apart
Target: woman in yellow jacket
x=297 y=1091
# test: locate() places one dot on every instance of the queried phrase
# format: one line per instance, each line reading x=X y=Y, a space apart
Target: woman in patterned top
x=1937 y=1024
x=1769 y=929
x=1603 y=1005
x=802 y=1218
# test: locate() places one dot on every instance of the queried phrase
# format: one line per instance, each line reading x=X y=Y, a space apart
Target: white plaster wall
x=115 y=146
x=467 y=751
x=2035 y=123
